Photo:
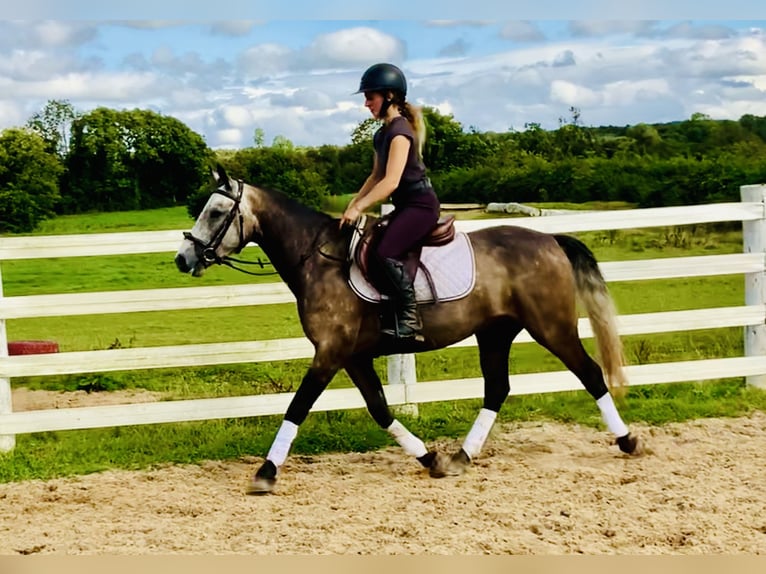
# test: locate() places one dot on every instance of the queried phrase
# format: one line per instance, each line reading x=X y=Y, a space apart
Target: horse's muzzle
x=183 y=267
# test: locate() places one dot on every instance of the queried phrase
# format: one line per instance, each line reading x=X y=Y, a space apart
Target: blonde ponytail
x=414 y=116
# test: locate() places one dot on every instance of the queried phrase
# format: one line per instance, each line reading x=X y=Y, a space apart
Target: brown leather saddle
x=442 y=233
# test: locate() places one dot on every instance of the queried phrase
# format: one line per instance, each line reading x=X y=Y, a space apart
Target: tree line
x=63 y=161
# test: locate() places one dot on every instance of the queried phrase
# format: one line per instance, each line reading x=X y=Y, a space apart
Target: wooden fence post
x=401 y=371
x=7 y=442
x=754 y=241
x=401 y=368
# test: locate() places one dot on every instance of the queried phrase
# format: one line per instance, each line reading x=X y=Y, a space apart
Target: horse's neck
x=289 y=233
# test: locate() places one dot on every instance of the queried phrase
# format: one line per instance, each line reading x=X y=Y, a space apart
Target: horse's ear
x=221 y=177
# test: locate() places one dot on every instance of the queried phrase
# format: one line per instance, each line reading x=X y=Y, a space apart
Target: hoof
x=453 y=466
x=264 y=480
x=261 y=485
x=630 y=444
x=427 y=460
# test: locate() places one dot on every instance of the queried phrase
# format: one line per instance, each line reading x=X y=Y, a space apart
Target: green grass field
x=53 y=454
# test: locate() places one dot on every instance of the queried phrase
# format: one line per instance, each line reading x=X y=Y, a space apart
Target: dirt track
x=538 y=489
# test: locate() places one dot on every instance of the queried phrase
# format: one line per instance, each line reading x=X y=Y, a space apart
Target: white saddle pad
x=452 y=268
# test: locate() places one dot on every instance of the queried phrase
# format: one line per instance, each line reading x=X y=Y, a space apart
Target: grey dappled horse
x=524 y=280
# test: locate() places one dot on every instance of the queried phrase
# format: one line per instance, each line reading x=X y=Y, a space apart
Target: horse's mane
x=293 y=206
x=309 y=218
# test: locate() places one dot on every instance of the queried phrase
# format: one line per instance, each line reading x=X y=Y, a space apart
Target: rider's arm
x=385 y=186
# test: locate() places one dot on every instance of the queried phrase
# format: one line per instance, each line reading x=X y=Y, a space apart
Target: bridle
x=208 y=249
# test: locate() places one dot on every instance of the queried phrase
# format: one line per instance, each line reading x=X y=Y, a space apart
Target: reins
x=318 y=249
x=228 y=262
x=302 y=260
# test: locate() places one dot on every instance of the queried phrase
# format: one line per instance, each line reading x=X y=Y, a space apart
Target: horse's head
x=219 y=229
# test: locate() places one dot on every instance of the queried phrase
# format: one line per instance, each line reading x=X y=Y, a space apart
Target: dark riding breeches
x=409 y=224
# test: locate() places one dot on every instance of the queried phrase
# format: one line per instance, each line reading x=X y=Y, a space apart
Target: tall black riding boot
x=407 y=324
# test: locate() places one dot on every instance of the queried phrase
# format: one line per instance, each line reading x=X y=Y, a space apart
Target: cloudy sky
x=295 y=78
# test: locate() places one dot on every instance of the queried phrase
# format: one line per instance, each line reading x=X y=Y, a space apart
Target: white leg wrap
x=476 y=438
x=610 y=416
x=282 y=443
x=411 y=444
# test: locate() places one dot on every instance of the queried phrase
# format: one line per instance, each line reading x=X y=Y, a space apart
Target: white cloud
x=458 y=23
x=44 y=34
x=232 y=27
x=601 y=28
x=717 y=58
x=353 y=46
x=163 y=56
x=236 y=116
x=707 y=32
x=443 y=107
x=732 y=110
x=10 y=114
x=521 y=31
x=457 y=48
x=572 y=94
x=306 y=99
x=90 y=87
x=758 y=82
x=185 y=99
x=264 y=59
x=565 y=58
x=25 y=65
x=624 y=93
x=19 y=63
x=301 y=87
x=230 y=137
x=59 y=33
x=149 y=24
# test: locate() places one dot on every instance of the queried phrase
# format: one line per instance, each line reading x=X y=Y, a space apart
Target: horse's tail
x=594 y=295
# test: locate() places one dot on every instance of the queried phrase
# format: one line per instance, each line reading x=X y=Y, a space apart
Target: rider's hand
x=349 y=216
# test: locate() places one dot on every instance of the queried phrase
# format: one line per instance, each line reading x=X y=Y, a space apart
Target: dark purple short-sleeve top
x=414 y=169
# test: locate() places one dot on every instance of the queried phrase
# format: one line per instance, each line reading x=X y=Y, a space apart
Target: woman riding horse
x=397 y=173
x=525 y=280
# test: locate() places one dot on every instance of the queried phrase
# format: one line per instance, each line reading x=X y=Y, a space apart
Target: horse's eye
x=215 y=213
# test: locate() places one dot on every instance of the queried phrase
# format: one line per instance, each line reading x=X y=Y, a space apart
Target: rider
x=398 y=173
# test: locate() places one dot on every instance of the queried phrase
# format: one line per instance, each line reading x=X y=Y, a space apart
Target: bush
x=29 y=179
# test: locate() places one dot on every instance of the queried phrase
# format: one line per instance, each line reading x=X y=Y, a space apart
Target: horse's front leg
x=314 y=382
x=362 y=372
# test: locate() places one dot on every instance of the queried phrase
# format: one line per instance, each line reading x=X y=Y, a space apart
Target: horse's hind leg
x=494 y=348
x=564 y=342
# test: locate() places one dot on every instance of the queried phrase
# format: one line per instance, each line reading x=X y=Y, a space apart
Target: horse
x=524 y=279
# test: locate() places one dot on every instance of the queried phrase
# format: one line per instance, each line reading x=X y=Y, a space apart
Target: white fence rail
x=751 y=316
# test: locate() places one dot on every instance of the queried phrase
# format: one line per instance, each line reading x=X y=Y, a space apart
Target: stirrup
x=416 y=336
x=395 y=333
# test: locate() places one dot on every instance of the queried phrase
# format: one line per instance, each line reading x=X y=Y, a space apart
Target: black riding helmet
x=380 y=77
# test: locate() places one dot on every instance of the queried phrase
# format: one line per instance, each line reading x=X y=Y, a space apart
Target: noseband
x=208 y=249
